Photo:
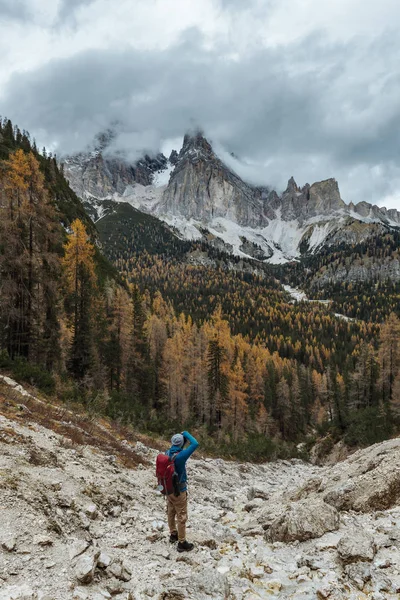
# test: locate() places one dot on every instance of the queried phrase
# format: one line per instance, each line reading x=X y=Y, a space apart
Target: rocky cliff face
x=203 y=188
x=320 y=200
x=195 y=191
x=101 y=177
x=77 y=524
x=97 y=176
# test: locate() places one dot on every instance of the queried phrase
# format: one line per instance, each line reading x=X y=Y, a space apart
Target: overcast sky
x=293 y=87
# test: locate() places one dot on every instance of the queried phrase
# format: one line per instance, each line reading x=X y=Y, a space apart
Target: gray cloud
x=68 y=9
x=14 y=9
x=310 y=108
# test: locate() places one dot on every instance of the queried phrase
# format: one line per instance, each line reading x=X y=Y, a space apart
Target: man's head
x=178 y=440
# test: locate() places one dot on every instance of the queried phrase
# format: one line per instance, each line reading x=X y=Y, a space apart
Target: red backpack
x=168 y=479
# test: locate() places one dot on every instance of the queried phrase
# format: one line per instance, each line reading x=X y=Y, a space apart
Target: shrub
x=32 y=374
x=367 y=426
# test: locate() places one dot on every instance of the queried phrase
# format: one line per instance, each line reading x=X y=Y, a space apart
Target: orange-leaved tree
x=30 y=236
x=80 y=277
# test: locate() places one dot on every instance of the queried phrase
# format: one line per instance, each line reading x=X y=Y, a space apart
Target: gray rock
x=359 y=573
x=85 y=521
x=102 y=595
x=120 y=570
x=210 y=583
x=9 y=544
x=90 y=511
x=115 y=586
x=369 y=480
x=43 y=540
x=85 y=567
x=104 y=560
x=257 y=572
x=77 y=548
x=102 y=176
x=356 y=546
x=202 y=187
x=14 y=592
x=256 y=492
x=115 y=511
x=79 y=595
x=142 y=449
x=303 y=520
x=382 y=582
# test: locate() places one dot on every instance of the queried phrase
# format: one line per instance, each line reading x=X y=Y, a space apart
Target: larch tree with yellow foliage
x=29 y=261
x=80 y=277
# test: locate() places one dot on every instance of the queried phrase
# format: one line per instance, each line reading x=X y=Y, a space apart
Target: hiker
x=177 y=493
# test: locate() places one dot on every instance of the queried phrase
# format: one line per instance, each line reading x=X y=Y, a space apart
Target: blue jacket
x=182 y=456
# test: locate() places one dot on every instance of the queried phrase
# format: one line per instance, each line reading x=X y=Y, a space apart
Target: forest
x=369 y=300
x=156 y=342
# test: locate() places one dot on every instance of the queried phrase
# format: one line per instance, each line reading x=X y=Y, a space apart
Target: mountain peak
x=292 y=185
x=195 y=145
x=325 y=196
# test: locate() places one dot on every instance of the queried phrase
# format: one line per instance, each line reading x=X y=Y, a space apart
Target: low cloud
x=312 y=108
x=17 y=10
x=67 y=10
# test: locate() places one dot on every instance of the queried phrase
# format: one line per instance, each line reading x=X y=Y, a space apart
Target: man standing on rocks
x=177 y=505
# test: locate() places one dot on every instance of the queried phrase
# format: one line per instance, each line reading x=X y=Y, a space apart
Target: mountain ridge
x=197 y=192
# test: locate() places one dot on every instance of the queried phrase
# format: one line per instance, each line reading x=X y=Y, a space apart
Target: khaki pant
x=177 y=511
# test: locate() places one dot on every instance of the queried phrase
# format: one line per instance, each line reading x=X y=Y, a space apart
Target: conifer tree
x=29 y=263
x=389 y=361
x=80 y=281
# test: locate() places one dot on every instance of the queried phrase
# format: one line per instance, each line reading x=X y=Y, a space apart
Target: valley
x=155 y=329
x=199 y=300
x=286 y=529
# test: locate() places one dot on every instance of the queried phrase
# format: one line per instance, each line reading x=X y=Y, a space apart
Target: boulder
x=368 y=481
x=210 y=584
x=104 y=561
x=9 y=544
x=257 y=572
x=18 y=593
x=102 y=595
x=355 y=547
x=85 y=567
x=120 y=570
x=115 y=586
x=90 y=510
x=303 y=520
x=85 y=521
x=77 y=548
x=358 y=573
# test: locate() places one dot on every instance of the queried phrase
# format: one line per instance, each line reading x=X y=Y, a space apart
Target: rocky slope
x=75 y=523
x=98 y=176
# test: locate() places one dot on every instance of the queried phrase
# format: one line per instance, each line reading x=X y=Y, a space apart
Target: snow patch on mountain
x=295 y=293
x=188 y=230
x=279 y=240
x=161 y=178
x=319 y=235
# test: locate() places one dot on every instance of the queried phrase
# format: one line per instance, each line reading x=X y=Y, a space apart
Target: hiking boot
x=173 y=537
x=185 y=546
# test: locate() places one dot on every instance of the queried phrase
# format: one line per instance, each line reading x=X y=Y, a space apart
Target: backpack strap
x=173 y=457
